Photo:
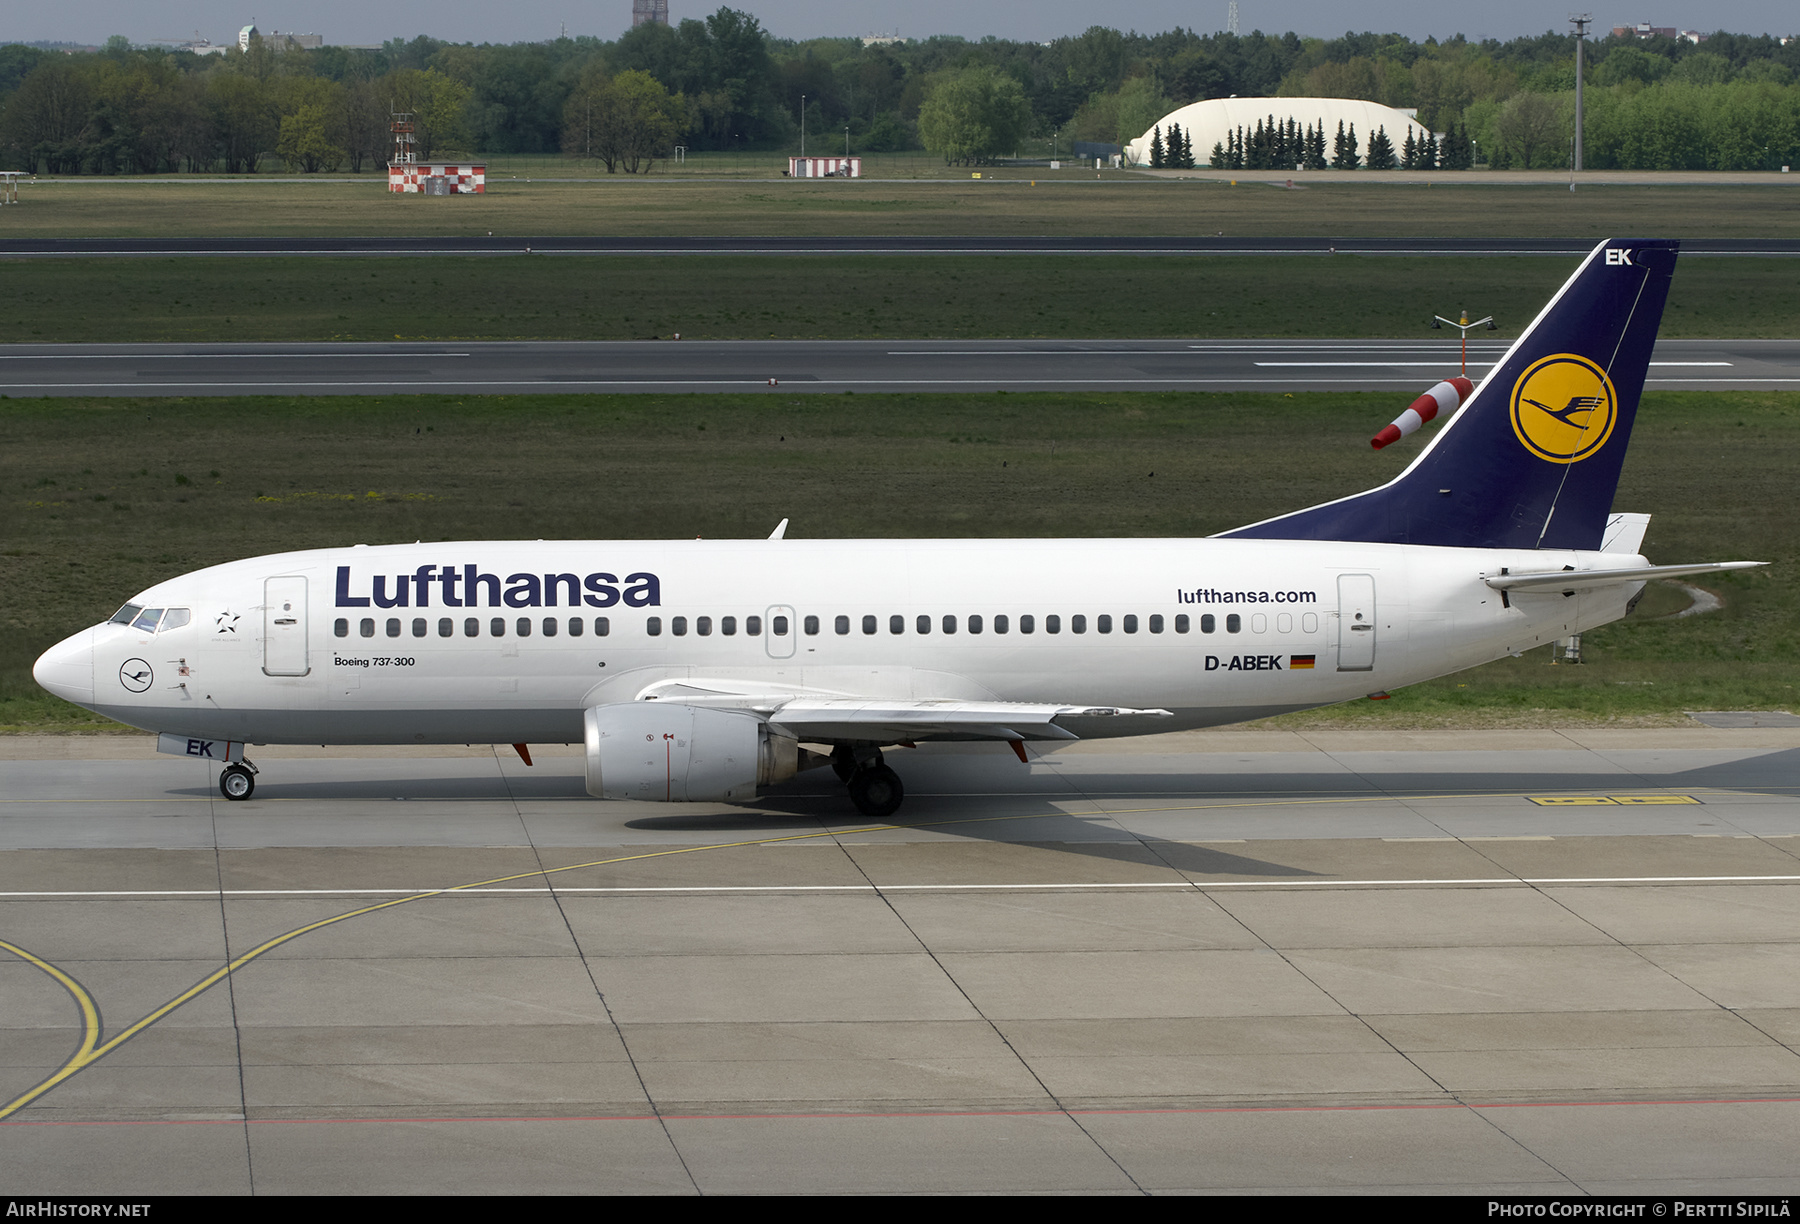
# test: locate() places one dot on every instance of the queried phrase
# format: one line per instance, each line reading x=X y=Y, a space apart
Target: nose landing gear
x=238 y=782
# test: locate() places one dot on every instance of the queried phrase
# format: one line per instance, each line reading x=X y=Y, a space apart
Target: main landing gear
x=238 y=782
x=874 y=788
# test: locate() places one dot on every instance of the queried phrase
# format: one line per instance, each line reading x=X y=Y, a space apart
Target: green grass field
x=1007 y=202
x=839 y=297
x=102 y=497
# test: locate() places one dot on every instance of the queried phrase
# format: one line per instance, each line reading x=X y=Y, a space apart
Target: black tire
x=877 y=792
x=236 y=783
x=843 y=765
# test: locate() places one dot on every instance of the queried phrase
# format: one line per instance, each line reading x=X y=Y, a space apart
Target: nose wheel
x=238 y=782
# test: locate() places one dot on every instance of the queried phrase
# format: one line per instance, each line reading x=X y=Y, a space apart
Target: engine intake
x=671 y=753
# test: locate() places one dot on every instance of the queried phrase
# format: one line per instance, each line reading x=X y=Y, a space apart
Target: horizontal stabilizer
x=1587 y=580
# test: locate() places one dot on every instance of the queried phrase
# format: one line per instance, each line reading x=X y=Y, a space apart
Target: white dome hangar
x=1208 y=123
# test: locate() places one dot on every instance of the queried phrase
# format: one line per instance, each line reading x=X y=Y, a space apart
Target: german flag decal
x=1300 y=662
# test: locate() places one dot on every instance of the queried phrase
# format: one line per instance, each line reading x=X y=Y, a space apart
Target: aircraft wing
x=884 y=721
x=1587 y=580
x=818 y=716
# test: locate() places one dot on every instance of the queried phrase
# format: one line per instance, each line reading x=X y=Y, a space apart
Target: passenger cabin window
x=367 y=627
x=728 y=626
x=471 y=627
x=1027 y=623
x=419 y=626
x=1000 y=623
x=841 y=625
x=1234 y=623
x=949 y=624
x=896 y=624
x=576 y=626
x=868 y=624
x=497 y=627
x=703 y=626
x=924 y=624
x=393 y=626
x=778 y=625
x=653 y=626
x=550 y=626
x=602 y=626
x=975 y=624
x=812 y=626
x=1208 y=624
x=1078 y=623
x=753 y=626
x=340 y=627
x=524 y=626
x=678 y=626
x=1156 y=624
x=446 y=627
x=1181 y=623
x=1053 y=623
x=1129 y=623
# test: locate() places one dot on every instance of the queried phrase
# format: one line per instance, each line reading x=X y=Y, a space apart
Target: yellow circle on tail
x=1563 y=408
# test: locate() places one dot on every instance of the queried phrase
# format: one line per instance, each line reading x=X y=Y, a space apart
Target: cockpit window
x=125 y=615
x=147 y=620
x=175 y=618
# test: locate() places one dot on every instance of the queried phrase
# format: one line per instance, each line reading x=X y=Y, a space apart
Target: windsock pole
x=1446 y=397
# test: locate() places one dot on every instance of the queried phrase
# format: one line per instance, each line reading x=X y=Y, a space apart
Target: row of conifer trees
x=1276 y=145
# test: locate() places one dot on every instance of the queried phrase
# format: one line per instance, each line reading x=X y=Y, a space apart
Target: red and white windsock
x=1446 y=397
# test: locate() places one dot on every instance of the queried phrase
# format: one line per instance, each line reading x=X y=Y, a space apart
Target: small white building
x=825 y=167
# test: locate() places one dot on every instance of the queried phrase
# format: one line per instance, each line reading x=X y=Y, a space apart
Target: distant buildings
x=1644 y=29
x=649 y=12
x=275 y=40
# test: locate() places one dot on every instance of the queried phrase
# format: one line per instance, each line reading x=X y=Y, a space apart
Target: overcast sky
x=357 y=22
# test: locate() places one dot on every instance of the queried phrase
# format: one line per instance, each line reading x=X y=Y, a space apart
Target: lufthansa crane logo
x=135 y=675
x=1563 y=408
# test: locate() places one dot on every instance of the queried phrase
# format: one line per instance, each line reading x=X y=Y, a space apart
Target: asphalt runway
x=970 y=366
x=1228 y=961
x=470 y=244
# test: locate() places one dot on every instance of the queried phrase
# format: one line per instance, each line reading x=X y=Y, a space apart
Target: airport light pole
x=1581 y=24
x=802 y=125
x=1437 y=324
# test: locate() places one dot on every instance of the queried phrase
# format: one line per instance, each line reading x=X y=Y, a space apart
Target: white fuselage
x=298 y=647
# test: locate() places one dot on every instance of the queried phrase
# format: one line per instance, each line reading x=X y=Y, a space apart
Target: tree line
x=722 y=82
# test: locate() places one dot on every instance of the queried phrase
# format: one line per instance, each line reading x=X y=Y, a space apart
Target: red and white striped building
x=437 y=178
x=825 y=167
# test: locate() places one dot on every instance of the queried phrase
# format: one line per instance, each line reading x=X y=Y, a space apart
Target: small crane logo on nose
x=135 y=675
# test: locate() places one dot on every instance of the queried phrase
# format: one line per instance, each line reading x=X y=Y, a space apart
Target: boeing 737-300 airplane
x=697 y=670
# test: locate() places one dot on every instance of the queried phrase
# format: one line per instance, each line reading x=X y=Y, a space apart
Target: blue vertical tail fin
x=1532 y=460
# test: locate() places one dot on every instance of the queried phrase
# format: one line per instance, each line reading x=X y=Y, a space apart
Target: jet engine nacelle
x=668 y=752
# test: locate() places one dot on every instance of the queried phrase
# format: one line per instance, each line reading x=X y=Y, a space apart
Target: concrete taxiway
x=1497 y=962
x=788 y=366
